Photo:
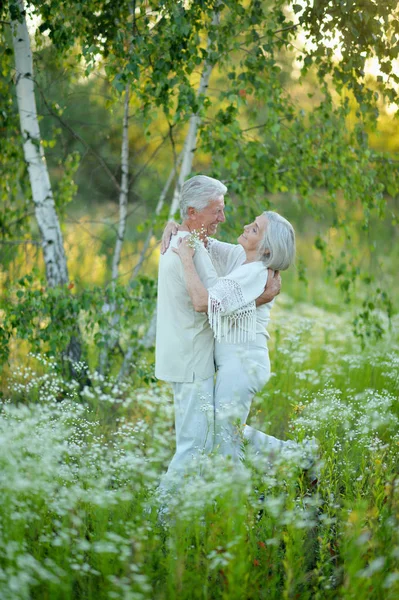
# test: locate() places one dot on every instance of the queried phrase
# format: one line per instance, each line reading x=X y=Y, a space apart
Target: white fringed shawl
x=231 y=303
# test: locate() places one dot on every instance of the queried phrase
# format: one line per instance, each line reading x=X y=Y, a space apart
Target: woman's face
x=253 y=234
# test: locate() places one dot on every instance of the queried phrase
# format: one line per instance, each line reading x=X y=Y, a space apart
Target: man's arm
x=272 y=289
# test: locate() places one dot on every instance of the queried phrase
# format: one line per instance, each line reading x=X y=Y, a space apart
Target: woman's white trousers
x=242 y=371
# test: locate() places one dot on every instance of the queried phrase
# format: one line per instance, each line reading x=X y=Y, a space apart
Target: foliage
x=14 y=191
x=79 y=470
x=47 y=317
x=80 y=463
x=362 y=30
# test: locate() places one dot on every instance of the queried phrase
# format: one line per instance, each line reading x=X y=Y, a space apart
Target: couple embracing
x=214 y=303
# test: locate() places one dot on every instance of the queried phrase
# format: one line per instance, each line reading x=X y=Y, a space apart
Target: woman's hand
x=170 y=229
x=185 y=248
x=272 y=289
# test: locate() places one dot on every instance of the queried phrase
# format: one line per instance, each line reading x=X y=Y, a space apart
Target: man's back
x=185 y=341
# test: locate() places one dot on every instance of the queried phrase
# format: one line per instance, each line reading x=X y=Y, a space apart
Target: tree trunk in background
x=46 y=216
x=45 y=211
x=123 y=195
x=112 y=333
x=158 y=209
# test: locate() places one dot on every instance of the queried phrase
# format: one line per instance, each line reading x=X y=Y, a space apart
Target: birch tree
x=110 y=335
x=42 y=195
x=194 y=122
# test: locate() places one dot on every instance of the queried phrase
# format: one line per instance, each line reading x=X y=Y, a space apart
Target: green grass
x=78 y=472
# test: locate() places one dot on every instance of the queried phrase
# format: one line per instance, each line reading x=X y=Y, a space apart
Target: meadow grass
x=78 y=473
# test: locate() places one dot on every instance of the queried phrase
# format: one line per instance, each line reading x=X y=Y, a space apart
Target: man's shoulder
x=174 y=240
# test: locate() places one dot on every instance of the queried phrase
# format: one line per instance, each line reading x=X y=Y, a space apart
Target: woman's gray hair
x=198 y=192
x=277 y=248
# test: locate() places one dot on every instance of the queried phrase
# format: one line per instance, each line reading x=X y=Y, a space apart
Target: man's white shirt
x=184 y=341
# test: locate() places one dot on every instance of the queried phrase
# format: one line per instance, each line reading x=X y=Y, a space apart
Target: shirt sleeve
x=225 y=257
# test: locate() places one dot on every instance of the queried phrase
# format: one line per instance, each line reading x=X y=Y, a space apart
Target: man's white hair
x=198 y=192
x=277 y=248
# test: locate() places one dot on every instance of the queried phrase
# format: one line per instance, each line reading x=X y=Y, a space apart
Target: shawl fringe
x=236 y=328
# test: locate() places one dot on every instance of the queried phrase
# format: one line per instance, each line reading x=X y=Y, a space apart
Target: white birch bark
x=111 y=333
x=43 y=200
x=45 y=212
x=123 y=194
x=129 y=352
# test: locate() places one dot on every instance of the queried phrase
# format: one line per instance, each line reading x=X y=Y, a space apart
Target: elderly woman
x=241 y=353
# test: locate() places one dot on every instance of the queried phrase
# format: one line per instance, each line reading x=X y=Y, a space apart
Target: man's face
x=210 y=217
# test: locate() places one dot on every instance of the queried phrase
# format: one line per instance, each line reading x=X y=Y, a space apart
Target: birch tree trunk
x=45 y=212
x=123 y=194
x=112 y=334
x=129 y=352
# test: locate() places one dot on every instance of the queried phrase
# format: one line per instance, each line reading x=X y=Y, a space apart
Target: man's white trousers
x=194 y=424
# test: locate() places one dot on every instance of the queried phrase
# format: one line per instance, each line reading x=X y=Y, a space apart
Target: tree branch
x=20 y=242
x=157 y=211
x=294 y=26
x=81 y=140
x=148 y=161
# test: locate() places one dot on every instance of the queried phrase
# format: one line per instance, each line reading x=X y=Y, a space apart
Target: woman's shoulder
x=225 y=256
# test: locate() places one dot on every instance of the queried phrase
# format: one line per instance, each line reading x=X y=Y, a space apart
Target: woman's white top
x=232 y=312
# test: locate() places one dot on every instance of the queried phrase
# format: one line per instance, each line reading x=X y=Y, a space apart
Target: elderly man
x=185 y=341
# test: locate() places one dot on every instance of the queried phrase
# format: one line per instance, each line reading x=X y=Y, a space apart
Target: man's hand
x=272 y=289
x=170 y=229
